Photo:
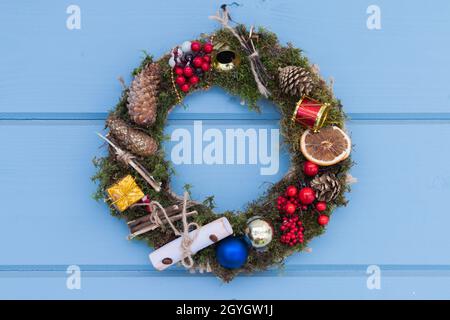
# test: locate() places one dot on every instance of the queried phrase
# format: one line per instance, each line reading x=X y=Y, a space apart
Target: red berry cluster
x=292 y=230
x=293 y=202
x=192 y=65
x=294 y=199
x=311 y=169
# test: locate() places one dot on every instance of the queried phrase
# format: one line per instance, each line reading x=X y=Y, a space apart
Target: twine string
x=186 y=240
x=255 y=65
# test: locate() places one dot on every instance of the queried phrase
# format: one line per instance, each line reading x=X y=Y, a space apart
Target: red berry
x=194 y=80
x=307 y=195
x=185 y=87
x=197 y=61
x=310 y=168
x=180 y=80
x=291 y=191
x=205 y=66
x=321 y=206
x=207 y=59
x=178 y=71
x=188 y=71
x=290 y=208
x=195 y=46
x=146 y=200
x=208 y=48
x=323 y=219
x=304 y=208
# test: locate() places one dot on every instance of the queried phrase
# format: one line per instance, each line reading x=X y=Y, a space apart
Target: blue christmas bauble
x=232 y=253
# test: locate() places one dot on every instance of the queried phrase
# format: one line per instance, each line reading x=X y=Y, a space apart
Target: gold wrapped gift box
x=125 y=193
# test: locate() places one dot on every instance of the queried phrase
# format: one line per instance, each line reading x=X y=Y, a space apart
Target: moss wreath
x=238 y=82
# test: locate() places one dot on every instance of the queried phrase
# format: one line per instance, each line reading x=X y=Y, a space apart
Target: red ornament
x=196 y=46
x=178 y=71
x=290 y=208
x=208 y=48
x=205 y=66
x=291 y=191
x=194 y=80
x=311 y=113
x=323 y=220
x=180 y=80
x=310 y=168
x=197 y=61
x=321 y=206
x=188 y=71
x=207 y=59
x=185 y=87
x=307 y=195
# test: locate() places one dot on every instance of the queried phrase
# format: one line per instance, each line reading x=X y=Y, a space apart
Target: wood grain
x=56 y=87
x=393 y=216
x=403 y=67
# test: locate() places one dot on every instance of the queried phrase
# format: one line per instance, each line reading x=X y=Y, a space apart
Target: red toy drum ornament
x=311 y=113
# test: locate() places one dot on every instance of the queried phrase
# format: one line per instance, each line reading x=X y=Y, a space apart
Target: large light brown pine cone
x=142 y=97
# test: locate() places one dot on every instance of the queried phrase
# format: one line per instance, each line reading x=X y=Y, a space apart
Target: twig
x=153 y=226
x=258 y=70
x=129 y=159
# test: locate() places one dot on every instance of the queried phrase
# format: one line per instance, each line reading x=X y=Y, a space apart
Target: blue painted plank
x=393 y=216
x=392 y=287
x=47 y=68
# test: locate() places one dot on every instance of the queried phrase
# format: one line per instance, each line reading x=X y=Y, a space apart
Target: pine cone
x=131 y=139
x=295 y=81
x=327 y=187
x=142 y=98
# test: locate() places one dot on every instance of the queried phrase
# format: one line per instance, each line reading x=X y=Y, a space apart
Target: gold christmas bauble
x=224 y=58
x=259 y=232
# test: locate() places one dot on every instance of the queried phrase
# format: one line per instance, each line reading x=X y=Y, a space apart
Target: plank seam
x=220 y=116
x=356 y=270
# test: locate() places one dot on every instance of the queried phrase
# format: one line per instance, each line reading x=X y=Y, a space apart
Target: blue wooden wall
x=56 y=86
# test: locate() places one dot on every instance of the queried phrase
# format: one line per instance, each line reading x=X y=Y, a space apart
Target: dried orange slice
x=327 y=147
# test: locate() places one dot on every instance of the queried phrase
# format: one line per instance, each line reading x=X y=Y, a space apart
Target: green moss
x=239 y=82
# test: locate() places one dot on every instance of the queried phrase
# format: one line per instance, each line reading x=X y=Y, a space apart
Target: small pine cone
x=131 y=139
x=327 y=187
x=142 y=97
x=295 y=81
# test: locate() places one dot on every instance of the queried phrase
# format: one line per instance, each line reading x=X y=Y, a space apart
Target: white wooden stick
x=208 y=234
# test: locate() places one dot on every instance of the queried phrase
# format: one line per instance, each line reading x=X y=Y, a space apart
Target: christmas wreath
x=135 y=177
